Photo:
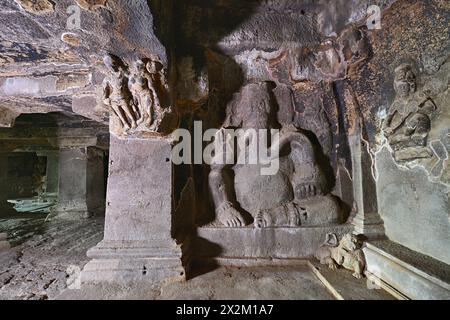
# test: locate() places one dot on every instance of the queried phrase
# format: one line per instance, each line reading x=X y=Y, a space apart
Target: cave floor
x=42 y=251
x=223 y=283
x=46 y=255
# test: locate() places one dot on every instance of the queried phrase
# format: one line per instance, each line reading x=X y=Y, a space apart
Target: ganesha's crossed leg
x=226 y=213
x=287 y=215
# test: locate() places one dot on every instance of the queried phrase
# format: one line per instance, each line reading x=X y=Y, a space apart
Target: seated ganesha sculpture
x=296 y=195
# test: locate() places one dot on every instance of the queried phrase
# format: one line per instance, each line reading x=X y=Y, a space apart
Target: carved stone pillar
x=344 y=185
x=367 y=220
x=5 y=207
x=81 y=182
x=52 y=173
x=138 y=244
x=4 y=244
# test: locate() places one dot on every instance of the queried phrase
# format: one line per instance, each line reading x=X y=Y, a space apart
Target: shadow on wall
x=200 y=26
x=206 y=36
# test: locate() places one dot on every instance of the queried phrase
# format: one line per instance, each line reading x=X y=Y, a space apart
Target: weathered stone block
x=138 y=243
x=251 y=243
x=414 y=209
x=81 y=183
x=4 y=244
x=414 y=275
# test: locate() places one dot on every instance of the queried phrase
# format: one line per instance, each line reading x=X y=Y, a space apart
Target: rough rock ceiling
x=51 y=51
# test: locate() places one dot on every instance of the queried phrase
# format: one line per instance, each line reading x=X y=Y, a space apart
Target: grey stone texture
x=367 y=220
x=361 y=131
x=5 y=207
x=283 y=243
x=415 y=210
x=52 y=173
x=411 y=274
x=138 y=244
x=4 y=244
x=81 y=183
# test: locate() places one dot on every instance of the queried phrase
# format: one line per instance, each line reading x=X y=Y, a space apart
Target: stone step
x=266 y=243
x=412 y=274
x=343 y=286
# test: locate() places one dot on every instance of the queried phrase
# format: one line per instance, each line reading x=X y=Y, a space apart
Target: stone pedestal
x=267 y=243
x=138 y=244
x=81 y=182
x=367 y=220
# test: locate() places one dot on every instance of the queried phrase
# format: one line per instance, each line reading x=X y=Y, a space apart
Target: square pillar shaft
x=81 y=182
x=138 y=244
x=367 y=220
x=52 y=173
x=4 y=244
x=5 y=207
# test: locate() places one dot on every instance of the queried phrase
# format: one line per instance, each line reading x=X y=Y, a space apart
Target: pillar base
x=4 y=244
x=71 y=211
x=370 y=225
x=75 y=211
x=133 y=261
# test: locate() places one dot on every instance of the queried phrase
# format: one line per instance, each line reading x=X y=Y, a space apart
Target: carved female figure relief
x=157 y=84
x=139 y=99
x=117 y=96
x=142 y=96
x=408 y=121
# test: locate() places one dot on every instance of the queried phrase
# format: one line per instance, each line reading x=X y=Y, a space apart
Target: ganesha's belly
x=255 y=191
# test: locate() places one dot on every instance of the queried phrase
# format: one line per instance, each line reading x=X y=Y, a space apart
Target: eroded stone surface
x=38 y=265
x=362 y=111
x=415 y=211
x=91 y=4
x=37 y=6
x=246 y=283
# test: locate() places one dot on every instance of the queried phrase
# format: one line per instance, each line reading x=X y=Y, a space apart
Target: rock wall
x=410 y=164
x=324 y=72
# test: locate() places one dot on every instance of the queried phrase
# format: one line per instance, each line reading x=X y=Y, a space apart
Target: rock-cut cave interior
x=225 y=149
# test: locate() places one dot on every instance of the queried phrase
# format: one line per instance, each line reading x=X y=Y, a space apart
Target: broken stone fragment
x=7 y=117
x=72 y=80
x=413 y=153
x=36 y=6
x=71 y=38
x=90 y=4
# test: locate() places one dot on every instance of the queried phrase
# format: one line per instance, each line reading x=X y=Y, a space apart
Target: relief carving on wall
x=408 y=121
x=138 y=97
